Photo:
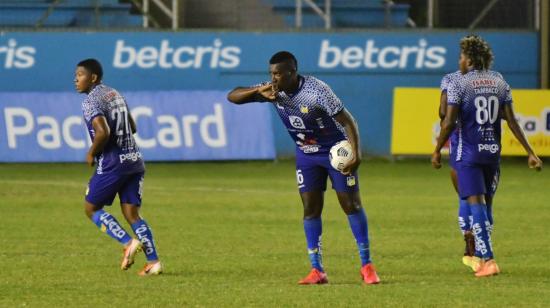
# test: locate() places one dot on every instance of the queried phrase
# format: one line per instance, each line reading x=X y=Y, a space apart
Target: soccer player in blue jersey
x=476 y=103
x=120 y=168
x=464 y=213
x=316 y=119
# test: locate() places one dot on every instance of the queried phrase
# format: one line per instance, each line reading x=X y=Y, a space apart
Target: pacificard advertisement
x=415 y=124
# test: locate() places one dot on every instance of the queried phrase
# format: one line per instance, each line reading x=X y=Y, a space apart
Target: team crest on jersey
x=304 y=109
x=296 y=122
x=350 y=180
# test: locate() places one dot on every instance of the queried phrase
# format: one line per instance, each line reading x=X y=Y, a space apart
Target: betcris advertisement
x=363 y=68
x=172 y=125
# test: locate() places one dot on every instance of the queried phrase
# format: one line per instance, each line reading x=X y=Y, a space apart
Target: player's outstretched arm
x=241 y=95
x=447 y=126
x=101 y=137
x=533 y=161
x=347 y=121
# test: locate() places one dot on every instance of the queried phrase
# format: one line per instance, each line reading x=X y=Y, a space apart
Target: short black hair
x=478 y=50
x=284 y=56
x=93 y=66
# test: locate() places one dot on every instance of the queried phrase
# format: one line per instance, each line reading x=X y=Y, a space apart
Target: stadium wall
x=363 y=68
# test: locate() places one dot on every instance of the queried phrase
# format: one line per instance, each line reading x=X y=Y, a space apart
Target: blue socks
x=313 y=229
x=108 y=224
x=358 y=224
x=481 y=227
x=360 y=229
x=144 y=235
x=464 y=216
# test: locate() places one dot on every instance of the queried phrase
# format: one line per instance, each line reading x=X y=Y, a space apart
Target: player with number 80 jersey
x=476 y=103
x=480 y=96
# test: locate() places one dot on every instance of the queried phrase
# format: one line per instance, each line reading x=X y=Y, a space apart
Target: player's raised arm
x=347 y=121
x=242 y=95
x=101 y=137
x=510 y=117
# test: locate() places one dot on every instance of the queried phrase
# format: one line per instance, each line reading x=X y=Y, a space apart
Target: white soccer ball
x=340 y=154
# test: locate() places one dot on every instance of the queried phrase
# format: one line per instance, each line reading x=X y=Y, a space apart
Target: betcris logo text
x=166 y=56
x=14 y=56
x=373 y=56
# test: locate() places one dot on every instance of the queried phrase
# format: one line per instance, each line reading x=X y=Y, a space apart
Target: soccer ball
x=340 y=154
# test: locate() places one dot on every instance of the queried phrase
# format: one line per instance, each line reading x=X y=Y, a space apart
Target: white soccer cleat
x=151 y=269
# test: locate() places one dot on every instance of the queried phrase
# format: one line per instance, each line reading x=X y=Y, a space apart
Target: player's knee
x=312 y=215
x=132 y=219
x=131 y=213
x=351 y=208
x=89 y=212
x=312 y=212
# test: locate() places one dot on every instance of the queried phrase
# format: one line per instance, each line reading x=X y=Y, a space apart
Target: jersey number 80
x=486 y=109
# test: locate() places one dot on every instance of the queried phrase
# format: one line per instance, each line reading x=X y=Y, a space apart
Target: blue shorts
x=452 y=158
x=452 y=151
x=477 y=179
x=103 y=188
x=312 y=171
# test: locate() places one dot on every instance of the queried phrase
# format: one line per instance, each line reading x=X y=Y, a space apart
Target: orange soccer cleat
x=314 y=277
x=129 y=253
x=151 y=269
x=488 y=268
x=368 y=273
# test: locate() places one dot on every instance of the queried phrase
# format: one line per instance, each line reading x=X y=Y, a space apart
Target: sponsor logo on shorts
x=310 y=148
x=133 y=156
x=100 y=165
x=493 y=148
x=140 y=189
x=350 y=180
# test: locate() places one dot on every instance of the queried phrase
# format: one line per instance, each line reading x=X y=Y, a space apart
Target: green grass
x=230 y=234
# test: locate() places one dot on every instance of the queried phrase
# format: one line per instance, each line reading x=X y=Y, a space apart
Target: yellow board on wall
x=415 y=121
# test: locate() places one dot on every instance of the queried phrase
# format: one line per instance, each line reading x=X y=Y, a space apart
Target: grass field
x=230 y=234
